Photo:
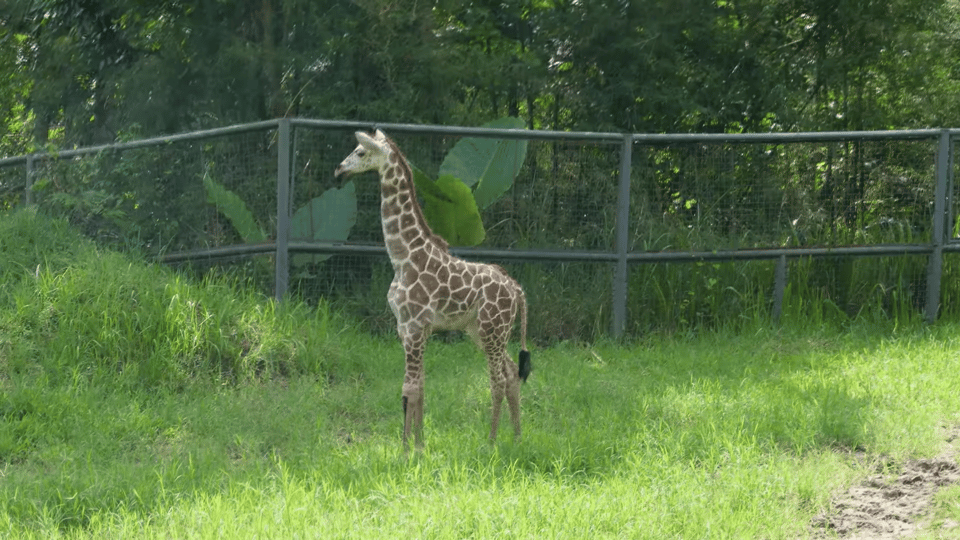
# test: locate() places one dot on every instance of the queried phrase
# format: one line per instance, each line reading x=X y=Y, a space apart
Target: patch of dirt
x=893 y=505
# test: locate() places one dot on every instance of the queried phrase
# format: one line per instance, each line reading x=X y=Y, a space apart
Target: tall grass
x=137 y=403
x=720 y=436
x=107 y=317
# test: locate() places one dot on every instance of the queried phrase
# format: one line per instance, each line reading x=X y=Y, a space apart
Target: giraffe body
x=432 y=289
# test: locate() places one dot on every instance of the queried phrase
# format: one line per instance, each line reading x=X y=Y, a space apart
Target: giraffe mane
x=408 y=177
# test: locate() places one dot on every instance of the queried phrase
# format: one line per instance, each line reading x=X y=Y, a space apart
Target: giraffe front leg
x=412 y=393
x=412 y=400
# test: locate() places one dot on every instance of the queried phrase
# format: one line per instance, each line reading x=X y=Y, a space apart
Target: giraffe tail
x=525 y=365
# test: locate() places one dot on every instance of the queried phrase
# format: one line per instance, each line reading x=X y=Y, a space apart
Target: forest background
x=80 y=72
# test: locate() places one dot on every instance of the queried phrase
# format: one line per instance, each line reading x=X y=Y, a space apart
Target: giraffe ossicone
x=432 y=289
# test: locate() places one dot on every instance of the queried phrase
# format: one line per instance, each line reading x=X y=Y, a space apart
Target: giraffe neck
x=405 y=230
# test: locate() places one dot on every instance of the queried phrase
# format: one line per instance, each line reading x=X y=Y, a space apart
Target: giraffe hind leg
x=496 y=395
x=506 y=384
x=512 y=382
x=406 y=423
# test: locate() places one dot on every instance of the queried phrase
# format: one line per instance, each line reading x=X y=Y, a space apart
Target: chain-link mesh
x=719 y=196
x=713 y=195
x=13 y=180
x=705 y=197
x=160 y=197
x=563 y=198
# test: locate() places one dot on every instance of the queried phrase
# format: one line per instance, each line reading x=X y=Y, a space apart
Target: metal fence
x=610 y=232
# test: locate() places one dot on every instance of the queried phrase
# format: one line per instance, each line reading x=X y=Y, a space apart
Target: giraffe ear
x=366 y=141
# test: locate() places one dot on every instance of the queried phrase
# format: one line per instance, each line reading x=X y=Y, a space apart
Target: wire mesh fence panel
x=246 y=165
x=700 y=197
x=356 y=283
x=167 y=197
x=256 y=272
x=709 y=196
x=953 y=210
x=859 y=192
x=563 y=196
x=80 y=189
x=13 y=180
x=950 y=294
x=718 y=294
x=559 y=200
x=325 y=208
x=838 y=288
x=715 y=194
x=563 y=199
x=317 y=152
x=566 y=301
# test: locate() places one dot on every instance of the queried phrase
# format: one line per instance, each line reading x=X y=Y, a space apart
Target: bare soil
x=893 y=505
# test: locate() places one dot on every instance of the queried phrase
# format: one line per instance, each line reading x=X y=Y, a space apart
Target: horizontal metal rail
x=540 y=255
x=498 y=133
x=581 y=136
x=809 y=136
x=154 y=141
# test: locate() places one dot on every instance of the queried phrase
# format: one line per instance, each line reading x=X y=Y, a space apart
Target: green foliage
x=328 y=217
x=81 y=72
x=450 y=209
x=29 y=242
x=235 y=210
x=487 y=165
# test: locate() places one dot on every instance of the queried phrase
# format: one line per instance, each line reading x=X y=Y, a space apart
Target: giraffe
x=432 y=289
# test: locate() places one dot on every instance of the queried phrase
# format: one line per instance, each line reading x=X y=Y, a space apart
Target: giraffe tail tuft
x=525 y=365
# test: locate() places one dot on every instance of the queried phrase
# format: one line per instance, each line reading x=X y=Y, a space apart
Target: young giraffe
x=433 y=289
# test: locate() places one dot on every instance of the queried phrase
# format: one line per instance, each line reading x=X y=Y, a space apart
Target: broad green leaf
x=425 y=186
x=487 y=165
x=235 y=210
x=328 y=217
x=451 y=211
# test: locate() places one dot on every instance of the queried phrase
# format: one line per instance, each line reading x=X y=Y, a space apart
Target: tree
x=88 y=71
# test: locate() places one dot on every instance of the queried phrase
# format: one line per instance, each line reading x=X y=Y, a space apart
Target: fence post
x=940 y=209
x=282 y=275
x=621 y=274
x=779 y=287
x=28 y=184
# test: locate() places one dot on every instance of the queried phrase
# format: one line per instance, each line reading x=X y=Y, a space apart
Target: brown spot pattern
x=433 y=289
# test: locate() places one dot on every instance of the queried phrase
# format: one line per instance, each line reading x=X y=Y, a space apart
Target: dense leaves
x=81 y=72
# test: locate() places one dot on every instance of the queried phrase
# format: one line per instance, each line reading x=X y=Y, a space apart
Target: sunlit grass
x=945 y=520
x=722 y=436
x=139 y=404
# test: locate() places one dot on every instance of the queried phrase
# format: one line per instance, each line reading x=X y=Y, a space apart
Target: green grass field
x=140 y=404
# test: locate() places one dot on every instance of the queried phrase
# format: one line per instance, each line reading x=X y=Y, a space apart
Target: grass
x=946 y=514
x=138 y=404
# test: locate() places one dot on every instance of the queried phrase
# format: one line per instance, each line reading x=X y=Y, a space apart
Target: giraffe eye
x=361 y=153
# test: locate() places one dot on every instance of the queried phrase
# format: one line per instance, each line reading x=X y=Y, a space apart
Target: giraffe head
x=370 y=155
